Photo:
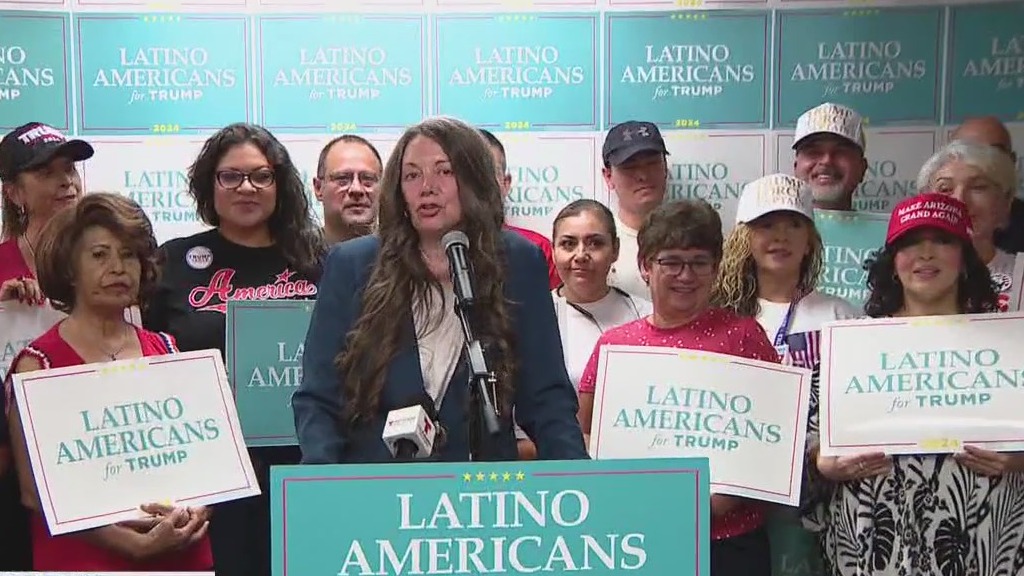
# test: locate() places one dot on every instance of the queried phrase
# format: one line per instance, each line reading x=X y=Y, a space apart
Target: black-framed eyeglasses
x=231 y=179
x=675 y=266
x=345 y=180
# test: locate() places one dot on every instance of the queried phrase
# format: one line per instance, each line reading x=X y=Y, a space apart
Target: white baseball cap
x=830 y=118
x=774 y=193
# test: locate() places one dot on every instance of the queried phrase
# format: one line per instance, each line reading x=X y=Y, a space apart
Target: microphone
x=409 y=432
x=456 y=248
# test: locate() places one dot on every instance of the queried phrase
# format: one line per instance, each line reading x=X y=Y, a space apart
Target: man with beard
x=988 y=130
x=347 y=179
x=829 y=145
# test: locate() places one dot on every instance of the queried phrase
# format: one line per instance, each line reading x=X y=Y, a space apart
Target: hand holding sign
x=174 y=532
x=24 y=290
x=991 y=463
x=855 y=467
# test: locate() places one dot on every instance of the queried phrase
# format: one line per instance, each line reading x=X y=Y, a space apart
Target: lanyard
x=780 y=336
x=586 y=313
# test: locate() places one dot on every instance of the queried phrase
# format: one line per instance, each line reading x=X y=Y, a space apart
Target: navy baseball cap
x=33 y=145
x=629 y=139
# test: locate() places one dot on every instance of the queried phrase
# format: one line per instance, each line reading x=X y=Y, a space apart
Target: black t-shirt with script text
x=202 y=272
x=199 y=275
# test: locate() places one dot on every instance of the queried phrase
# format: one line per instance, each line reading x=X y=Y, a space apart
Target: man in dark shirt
x=990 y=131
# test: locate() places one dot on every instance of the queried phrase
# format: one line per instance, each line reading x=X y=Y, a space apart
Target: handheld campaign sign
x=264 y=343
x=105 y=438
x=923 y=385
x=644 y=517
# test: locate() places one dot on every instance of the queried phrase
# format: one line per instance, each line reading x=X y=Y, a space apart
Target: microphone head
x=454 y=238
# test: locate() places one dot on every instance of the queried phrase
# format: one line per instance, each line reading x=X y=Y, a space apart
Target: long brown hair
x=400 y=276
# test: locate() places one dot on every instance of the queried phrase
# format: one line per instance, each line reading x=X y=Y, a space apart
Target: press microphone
x=409 y=432
x=456 y=248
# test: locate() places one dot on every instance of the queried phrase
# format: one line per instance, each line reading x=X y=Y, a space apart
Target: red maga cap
x=929 y=210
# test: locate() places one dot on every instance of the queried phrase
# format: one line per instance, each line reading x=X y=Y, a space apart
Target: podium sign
x=645 y=517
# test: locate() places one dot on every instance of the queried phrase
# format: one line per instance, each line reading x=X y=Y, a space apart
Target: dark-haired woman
x=680 y=249
x=94 y=261
x=936 y=514
x=38 y=177
x=264 y=245
x=384 y=332
x=585 y=247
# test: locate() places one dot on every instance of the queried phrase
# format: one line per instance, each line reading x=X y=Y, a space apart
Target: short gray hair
x=995 y=164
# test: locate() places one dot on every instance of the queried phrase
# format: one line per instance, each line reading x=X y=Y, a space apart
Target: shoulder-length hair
x=59 y=244
x=292 y=225
x=975 y=291
x=400 y=276
x=736 y=287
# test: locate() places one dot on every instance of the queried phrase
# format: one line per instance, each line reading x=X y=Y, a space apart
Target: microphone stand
x=482 y=379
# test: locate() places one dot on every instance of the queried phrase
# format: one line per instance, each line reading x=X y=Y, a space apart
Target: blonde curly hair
x=736 y=285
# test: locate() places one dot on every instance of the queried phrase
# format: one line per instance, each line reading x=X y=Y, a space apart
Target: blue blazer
x=545 y=401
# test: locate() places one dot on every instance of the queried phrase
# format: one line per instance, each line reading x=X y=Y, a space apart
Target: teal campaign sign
x=263 y=357
x=517 y=71
x=341 y=73
x=162 y=73
x=986 y=62
x=688 y=69
x=34 y=69
x=642 y=517
x=884 y=63
x=850 y=239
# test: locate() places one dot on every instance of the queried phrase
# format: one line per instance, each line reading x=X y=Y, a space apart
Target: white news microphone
x=409 y=433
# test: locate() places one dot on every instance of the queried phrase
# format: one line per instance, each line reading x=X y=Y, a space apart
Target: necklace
x=31 y=249
x=124 y=344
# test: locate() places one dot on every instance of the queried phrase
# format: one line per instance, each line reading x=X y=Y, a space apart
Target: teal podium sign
x=642 y=517
x=263 y=357
x=849 y=239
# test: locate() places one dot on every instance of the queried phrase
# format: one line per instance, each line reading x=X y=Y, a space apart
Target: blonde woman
x=770 y=267
x=771 y=264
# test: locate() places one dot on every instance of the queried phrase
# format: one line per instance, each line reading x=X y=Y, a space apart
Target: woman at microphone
x=385 y=332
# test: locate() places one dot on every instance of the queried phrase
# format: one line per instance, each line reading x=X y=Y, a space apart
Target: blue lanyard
x=780 y=336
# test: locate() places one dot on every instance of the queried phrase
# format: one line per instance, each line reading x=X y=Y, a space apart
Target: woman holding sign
x=770 y=268
x=38 y=177
x=585 y=247
x=680 y=252
x=984 y=178
x=932 y=514
x=94 y=261
x=264 y=245
x=384 y=334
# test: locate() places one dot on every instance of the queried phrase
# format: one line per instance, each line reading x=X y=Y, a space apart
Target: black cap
x=630 y=138
x=33 y=145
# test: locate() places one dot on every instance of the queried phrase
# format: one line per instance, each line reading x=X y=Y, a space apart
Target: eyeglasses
x=232 y=179
x=675 y=266
x=345 y=180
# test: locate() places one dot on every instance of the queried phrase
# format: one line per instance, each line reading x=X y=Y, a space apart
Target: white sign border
x=57 y=526
x=931 y=445
x=797 y=456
